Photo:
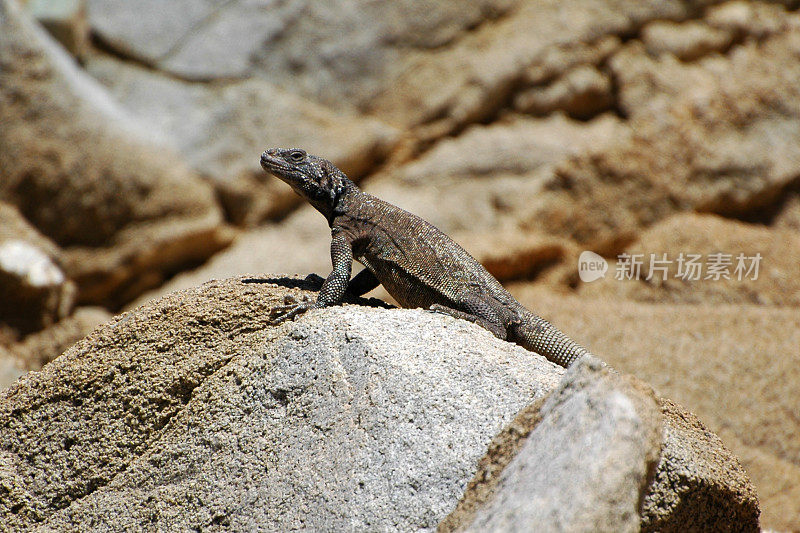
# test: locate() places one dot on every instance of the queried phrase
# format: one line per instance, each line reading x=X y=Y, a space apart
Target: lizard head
x=315 y=179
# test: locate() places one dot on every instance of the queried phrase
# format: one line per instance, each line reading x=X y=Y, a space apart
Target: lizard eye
x=297 y=156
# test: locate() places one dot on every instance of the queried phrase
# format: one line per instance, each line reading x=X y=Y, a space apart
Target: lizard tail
x=538 y=335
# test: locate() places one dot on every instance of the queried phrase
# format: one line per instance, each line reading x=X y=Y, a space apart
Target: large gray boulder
x=586 y=463
x=192 y=411
x=602 y=453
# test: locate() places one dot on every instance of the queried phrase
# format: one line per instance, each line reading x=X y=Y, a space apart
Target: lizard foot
x=293 y=309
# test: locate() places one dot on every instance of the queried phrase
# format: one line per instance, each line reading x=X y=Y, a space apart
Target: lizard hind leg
x=496 y=328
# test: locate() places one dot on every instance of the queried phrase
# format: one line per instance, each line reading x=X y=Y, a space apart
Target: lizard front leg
x=334 y=286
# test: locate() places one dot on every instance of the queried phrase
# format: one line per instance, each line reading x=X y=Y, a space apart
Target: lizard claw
x=288 y=312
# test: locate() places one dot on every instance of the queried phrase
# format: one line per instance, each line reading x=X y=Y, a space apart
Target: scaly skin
x=417 y=264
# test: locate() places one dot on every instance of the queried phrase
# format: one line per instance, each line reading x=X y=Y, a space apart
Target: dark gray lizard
x=417 y=264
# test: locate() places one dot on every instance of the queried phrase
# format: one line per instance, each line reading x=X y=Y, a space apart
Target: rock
x=705 y=137
x=583 y=93
x=509 y=254
x=699 y=485
x=299 y=244
x=221 y=130
x=754 y=264
x=126 y=212
x=357 y=43
x=737 y=367
x=754 y=20
x=687 y=41
x=585 y=464
x=10 y=369
x=789 y=215
x=34 y=292
x=39 y=348
x=529 y=471
x=66 y=21
x=192 y=411
x=494 y=175
x=471 y=79
x=13 y=226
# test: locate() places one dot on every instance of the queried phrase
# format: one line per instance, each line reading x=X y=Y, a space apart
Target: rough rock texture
x=34 y=292
x=242 y=38
x=698 y=484
x=38 y=349
x=472 y=78
x=619 y=477
x=737 y=367
x=490 y=175
x=718 y=135
x=191 y=411
x=73 y=166
x=529 y=130
x=221 y=129
x=586 y=463
x=777 y=278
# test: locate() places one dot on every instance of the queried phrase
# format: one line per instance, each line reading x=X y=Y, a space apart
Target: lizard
x=419 y=265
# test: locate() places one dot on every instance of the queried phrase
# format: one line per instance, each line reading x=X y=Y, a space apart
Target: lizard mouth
x=270 y=163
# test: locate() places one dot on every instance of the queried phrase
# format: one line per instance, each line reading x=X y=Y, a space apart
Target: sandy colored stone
x=222 y=129
x=34 y=292
x=357 y=44
x=79 y=170
x=66 y=21
x=472 y=79
x=38 y=349
x=582 y=92
x=687 y=41
x=11 y=368
x=705 y=136
x=698 y=484
x=774 y=279
x=491 y=175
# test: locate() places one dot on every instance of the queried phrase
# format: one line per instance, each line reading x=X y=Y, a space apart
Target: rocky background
x=130 y=133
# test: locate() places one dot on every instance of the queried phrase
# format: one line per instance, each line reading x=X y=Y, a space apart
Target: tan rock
x=81 y=172
x=687 y=41
x=593 y=443
x=754 y=264
x=582 y=92
x=34 y=292
x=66 y=21
x=474 y=77
x=636 y=469
x=193 y=408
x=705 y=137
x=38 y=349
x=221 y=130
